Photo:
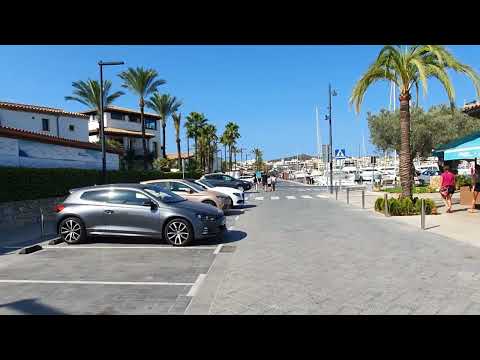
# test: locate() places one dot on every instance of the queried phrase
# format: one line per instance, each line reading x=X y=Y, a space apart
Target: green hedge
x=405 y=206
x=29 y=184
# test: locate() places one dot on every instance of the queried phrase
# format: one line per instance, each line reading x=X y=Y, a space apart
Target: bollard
x=336 y=192
x=42 y=225
x=348 y=195
x=363 y=199
x=385 y=207
x=423 y=215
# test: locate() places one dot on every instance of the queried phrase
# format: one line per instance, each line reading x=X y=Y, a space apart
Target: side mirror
x=151 y=204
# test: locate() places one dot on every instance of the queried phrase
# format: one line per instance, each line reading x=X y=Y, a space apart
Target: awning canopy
x=466 y=148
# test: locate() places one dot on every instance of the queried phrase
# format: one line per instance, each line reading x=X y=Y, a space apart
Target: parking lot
x=109 y=275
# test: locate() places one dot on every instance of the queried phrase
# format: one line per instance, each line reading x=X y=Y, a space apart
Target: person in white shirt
x=274 y=182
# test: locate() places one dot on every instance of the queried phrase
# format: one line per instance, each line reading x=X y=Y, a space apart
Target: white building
x=123 y=125
x=44 y=120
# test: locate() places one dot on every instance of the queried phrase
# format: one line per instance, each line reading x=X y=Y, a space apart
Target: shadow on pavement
x=432 y=227
x=32 y=306
x=230 y=237
x=234 y=212
x=248 y=206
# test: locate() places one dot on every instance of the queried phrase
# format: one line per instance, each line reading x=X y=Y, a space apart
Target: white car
x=248 y=178
x=236 y=195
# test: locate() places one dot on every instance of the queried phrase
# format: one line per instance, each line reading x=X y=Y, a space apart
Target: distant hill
x=300 y=157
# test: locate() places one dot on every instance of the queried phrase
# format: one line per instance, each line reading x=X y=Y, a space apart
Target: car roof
x=107 y=186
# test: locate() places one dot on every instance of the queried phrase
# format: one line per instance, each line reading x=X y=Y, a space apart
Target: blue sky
x=270 y=91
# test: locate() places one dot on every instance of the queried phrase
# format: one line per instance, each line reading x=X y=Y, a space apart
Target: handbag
x=444 y=191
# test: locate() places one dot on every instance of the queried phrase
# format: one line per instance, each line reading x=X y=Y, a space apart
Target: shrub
x=405 y=206
x=161 y=164
x=462 y=180
x=29 y=184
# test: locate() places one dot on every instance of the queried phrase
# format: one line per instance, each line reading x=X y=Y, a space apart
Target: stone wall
x=20 y=213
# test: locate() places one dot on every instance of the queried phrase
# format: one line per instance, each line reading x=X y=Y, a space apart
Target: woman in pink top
x=447 y=187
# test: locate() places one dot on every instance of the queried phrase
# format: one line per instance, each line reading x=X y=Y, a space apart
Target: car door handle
x=108 y=212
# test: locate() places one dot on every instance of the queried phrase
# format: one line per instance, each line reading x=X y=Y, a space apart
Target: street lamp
x=329 y=118
x=101 y=64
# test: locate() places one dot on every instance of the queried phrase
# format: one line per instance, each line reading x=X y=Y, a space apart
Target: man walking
x=274 y=182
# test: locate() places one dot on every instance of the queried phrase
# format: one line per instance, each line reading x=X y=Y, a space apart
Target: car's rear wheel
x=72 y=230
x=178 y=232
x=210 y=202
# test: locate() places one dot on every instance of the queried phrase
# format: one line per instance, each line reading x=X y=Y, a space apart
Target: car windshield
x=195 y=186
x=204 y=184
x=163 y=194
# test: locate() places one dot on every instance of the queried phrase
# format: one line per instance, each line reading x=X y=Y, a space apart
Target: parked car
x=424 y=177
x=219 y=179
x=236 y=195
x=193 y=192
x=248 y=178
x=135 y=210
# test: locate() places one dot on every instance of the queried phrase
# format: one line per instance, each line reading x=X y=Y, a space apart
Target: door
x=126 y=214
x=93 y=213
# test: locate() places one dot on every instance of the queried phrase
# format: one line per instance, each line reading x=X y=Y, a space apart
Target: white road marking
x=275 y=198
x=259 y=198
x=79 y=247
x=194 y=288
x=306 y=197
x=217 y=249
x=83 y=282
x=322 y=196
x=290 y=197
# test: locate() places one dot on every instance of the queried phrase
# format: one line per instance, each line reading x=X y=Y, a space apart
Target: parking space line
x=85 y=282
x=196 y=285
x=290 y=197
x=259 y=198
x=274 y=198
x=78 y=247
x=306 y=197
x=217 y=249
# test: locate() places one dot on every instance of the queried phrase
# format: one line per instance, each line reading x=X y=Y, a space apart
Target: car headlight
x=204 y=217
x=237 y=194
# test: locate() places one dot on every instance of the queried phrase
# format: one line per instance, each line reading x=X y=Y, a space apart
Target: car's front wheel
x=72 y=230
x=178 y=232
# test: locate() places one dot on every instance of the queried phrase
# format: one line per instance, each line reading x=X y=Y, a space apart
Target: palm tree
x=176 y=123
x=164 y=105
x=142 y=82
x=195 y=121
x=232 y=134
x=207 y=139
x=224 y=141
x=405 y=68
x=258 y=157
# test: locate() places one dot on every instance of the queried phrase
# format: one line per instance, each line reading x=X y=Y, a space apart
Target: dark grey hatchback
x=136 y=210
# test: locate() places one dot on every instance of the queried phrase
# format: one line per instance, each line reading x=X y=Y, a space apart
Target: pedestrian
x=274 y=182
x=475 y=187
x=255 y=181
x=269 y=183
x=264 y=181
x=447 y=187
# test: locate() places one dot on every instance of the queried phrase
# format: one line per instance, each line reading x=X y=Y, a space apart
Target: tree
x=88 y=94
x=164 y=105
x=224 y=141
x=195 y=121
x=207 y=139
x=232 y=134
x=258 y=159
x=406 y=68
x=176 y=123
x=439 y=125
x=141 y=82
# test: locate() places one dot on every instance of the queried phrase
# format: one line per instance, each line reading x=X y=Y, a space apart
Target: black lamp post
x=101 y=64
x=329 y=118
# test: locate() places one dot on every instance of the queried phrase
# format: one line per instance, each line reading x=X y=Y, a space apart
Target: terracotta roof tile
x=39 y=109
x=30 y=135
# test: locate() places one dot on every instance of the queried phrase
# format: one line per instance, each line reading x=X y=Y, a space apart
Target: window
x=116 y=115
x=227 y=178
x=71 y=127
x=155 y=148
x=177 y=186
x=120 y=197
x=151 y=123
x=133 y=118
x=45 y=125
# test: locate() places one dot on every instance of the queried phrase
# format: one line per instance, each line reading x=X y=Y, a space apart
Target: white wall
x=30 y=153
x=33 y=122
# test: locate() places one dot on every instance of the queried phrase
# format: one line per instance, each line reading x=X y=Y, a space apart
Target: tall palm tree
x=224 y=141
x=195 y=121
x=206 y=141
x=410 y=67
x=258 y=156
x=164 y=105
x=232 y=134
x=142 y=82
x=176 y=123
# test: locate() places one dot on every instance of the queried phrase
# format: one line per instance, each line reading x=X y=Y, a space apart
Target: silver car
x=136 y=210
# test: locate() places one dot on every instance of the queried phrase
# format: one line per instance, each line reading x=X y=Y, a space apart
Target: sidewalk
x=460 y=225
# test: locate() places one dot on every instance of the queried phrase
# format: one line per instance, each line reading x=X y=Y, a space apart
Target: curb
x=30 y=249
